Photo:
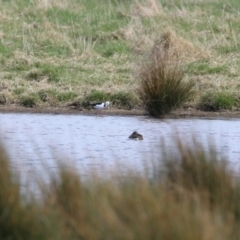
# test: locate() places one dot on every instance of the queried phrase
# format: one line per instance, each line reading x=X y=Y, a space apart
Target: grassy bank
x=193 y=196
x=56 y=52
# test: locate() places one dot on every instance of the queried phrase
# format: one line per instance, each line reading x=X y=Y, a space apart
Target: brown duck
x=136 y=135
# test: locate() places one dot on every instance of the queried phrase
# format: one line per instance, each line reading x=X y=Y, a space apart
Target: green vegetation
x=124 y=100
x=28 y=101
x=92 y=97
x=3 y=99
x=49 y=73
x=193 y=195
x=205 y=68
x=66 y=96
x=84 y=46
x=18 y=91
x=214 y=101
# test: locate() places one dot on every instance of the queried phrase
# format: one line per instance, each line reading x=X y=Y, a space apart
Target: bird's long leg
x=99 y=113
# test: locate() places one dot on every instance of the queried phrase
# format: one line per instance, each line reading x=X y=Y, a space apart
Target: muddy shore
x=179 y=113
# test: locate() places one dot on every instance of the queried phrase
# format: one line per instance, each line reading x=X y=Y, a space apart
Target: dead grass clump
x=135 y=34
x=49 y=4
x=151 y=8
x=19 y=61
x=180 y=48
x=162 y=86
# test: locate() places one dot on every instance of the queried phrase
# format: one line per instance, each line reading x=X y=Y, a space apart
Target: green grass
x=28 y=101
x=66 y=96
x=110 y=48
x=18 y=91
x=214 y=101
x=51 y=73
x=202 y=68
x=124 y=100
x=94 y=96
x=86 y=46
x=3 y=99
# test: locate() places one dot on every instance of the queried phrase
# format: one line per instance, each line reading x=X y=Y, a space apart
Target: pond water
x=101 y=143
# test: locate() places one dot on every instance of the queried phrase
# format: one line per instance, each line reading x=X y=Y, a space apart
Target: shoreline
x=179 y=113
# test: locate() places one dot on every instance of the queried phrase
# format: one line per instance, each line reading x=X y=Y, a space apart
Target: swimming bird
x=100 y=106
x=136 y=135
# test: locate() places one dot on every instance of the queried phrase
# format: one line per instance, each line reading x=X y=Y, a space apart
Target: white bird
x=100 y=106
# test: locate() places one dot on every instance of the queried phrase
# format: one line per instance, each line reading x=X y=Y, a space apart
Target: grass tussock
x=124 y=100
x=193 y=195
x=162 y=87
x=28 y=101
x=181 y=49
x=215 y=101
x=3 y=99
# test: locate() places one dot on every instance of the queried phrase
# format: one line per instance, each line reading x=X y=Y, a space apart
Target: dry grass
x=204 y=174
x=151 y=8
x=19 y=218
x=195 y=197
x=130 y=209
x=96 y=46
x=162 y=87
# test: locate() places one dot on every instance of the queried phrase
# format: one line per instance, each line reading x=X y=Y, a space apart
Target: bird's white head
x=106 y=104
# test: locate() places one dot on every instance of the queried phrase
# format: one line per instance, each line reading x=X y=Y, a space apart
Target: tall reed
x=204 y=175
x=21 y=218
x=195 y=197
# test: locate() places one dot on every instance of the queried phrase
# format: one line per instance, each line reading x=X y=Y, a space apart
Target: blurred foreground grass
x=192 y=195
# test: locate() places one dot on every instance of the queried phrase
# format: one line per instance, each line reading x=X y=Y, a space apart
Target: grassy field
x=53 y=52
x=193 y=196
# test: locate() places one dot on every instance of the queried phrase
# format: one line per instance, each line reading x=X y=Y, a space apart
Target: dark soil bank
x=180 y=113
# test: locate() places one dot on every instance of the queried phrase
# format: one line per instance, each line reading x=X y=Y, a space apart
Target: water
x=102 y=144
